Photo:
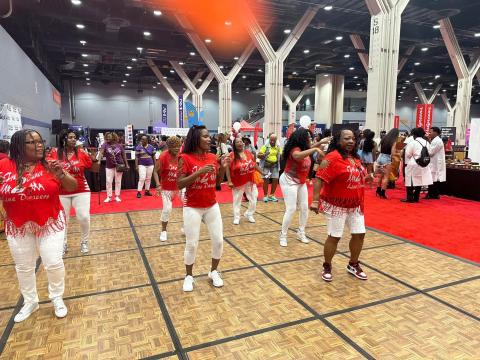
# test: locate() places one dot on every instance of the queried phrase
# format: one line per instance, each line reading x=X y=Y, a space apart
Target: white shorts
x=336 y=223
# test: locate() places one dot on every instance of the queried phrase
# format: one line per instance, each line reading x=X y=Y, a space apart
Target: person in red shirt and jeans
x=35 y=220
x=340 y=186
x=199 y=172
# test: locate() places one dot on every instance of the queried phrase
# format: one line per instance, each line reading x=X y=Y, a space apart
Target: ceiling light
x=437 y=76
x=154 y=87
x=424 y=49
x=88 y=84
x=260 y=84
x=171 y=71
x=80 y=26
x=164 y=78
x=346 y=56
x=436 y=26
x=317 y=65
x=407 y=81
x=236 y=58
x=84 y=55
x=294 y=73
x=86 y=73
x=411 y=74
x=140 y=49
x=430 y=83
x=452 y=85
x=181 y=63
x=85 y=65
x=351 y=68
x=404 y=87
x=328 y=8
x=326 y=75
x=287 y=31
x=228 y=23
x=288 y=85
x=444 y=90
x=244 y=76
x=477 y=34
x=134 y=60
x=157 y=12
x=416 y=64
x=360 y=89
x=122 y=85
x=306 y=51
x=129 y=67
x=211 y=90
x=338 y=38
x=304 y=81
x=401 y=92
x=260 y=70
x=208 y=41
x=192 y=53
x=221 y=66
x=237 y=92
x=359 y=84
x=248 y=89
x=83 y=42
x=76 y=2
x=127 y=74
x=147 y=33
x=124 y=81
x=355 y=77
x=88 y=79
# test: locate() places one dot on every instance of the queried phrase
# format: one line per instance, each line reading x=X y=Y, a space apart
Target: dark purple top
x=113 y=154
x=141 y=151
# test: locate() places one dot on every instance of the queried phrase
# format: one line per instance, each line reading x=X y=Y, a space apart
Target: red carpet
x=449 y=224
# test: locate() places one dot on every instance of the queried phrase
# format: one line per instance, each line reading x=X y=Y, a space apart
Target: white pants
x=110 y=174
x=294 y=194
x=167 y=199
x=25 y=251
x=81 y=204
x=193 y=218
x=251 y=191
x=144 y=177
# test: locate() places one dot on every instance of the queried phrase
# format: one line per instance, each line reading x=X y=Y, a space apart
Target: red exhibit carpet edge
x=449 y=224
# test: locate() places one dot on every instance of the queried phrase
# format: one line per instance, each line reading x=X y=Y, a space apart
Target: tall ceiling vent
x=114 y=24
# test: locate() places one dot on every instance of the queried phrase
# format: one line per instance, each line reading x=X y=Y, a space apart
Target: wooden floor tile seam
x=74 y=232
x=156 y=290
x=90 y=254
x=372 y=247
x=453 y=283
x=161 y=356
x=4 y=265
x=451 y=306
x=7 y=308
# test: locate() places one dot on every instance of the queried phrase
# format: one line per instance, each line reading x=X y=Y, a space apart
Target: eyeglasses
x=33 y=142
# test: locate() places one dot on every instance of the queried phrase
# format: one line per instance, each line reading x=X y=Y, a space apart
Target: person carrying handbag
x=269 y=156
x=116 y=164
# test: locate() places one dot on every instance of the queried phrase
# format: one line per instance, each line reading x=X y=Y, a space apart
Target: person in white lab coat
x=437 y=163
x=415 y=175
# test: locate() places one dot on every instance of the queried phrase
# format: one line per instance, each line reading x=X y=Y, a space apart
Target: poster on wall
x=449 y=132
x=129 y=135
x=164 y=114
x=474 y=140
x=10 y=120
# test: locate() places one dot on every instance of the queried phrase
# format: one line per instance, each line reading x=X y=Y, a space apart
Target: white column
x=329 y=94
x=450 y=110
x=274 y=65
x=167 y=87
x=383 y=62
x=465 y=74
x=423 y=97
x=292 y=105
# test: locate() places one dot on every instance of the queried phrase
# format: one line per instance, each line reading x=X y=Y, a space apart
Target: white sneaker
x=117 y=199
x=25 y=312
x=107 y=200
x=236 y=221
x=302 y=237
x=84 y=248
x=216 y=279
x=283 y=240
x=163 y=236
x=250 y=218
x=59 y=307
x=188 y=283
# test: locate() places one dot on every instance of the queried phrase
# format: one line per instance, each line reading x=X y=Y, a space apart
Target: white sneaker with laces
x=107 y=200
x=188 y=283
x=283 y=240
x=236 y=221
x=117 y=199
x=25 y=312
x=84 y=248
x=250 y=218
x=59 y=307
x=216 y=278
x=302 y=237
x=163 y=236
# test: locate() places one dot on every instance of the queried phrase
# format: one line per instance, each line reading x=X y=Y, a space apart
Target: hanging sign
x=396 y=122
x=420 y=119
x=428 y=117
x=164 y=114
x=180 y=110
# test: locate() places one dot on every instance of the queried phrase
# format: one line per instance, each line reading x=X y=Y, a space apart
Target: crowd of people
x=340 y=166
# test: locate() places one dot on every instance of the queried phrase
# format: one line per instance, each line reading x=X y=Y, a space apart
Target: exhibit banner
x=474 y=140
x=10 y=120
x=449 y=132
x=396 y=122
x=164 y=114
x=428 y=117
x=175 y=131
x=129 y=135
x=419 y=122
x=180 y=110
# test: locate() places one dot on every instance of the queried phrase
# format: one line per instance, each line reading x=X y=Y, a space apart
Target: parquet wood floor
x=125 y=298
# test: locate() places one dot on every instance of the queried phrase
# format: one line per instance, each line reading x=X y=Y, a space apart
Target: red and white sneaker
x=356 y=270
x=327 y=272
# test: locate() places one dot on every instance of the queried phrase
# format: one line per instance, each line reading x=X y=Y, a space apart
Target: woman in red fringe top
x=340 y=185
x=199 y=172
x=35 y=220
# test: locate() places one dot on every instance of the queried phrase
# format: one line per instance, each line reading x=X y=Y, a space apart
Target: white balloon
x=236 y=126
x=305 y=121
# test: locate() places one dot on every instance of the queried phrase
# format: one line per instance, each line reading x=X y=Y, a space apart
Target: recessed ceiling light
x=351 y=68
x=164 y=78
x=80 y=26
x=192 y=53
x=221 y=66
x=244 y=76
x=139 y=48
x=85 y=65
x=157 y=12
x=83 y=42
x=317 y=65
x=124 y=81
x=248 y=89
x=411 y=74
x=287 y=31
x=129 y=67
x=154 y=87
x=359 y=84
x=326 y=75
x=437 y=76
x=127 y=74
x=355 y=77
x=407 y=81
x=211 y=90
x=360 y=89
x=208 y=41
x=424 y=49
x=304 y=81
x=84 y=55
x=444 y=90
x=260 y=70
x=86 y=73
x=260 y=84
x=346 y=56
x=134 y=59
x=338 y=38
x=430 y=83
x=477 y=34
x=416 y=64
x=236 y=58
x=171 y=71
x=306 y=51
x=404 y=87
x=147 y=33
x=88 y=79
x=328 y=8
x=181 y=63
x=76 y=2
x=452 y=85
x=237 y=92
x=401 y=92
x=454 y=95
x=288 y=85
x=88 y=84
x=228 y=23
x=122 y=85
x=436 y=26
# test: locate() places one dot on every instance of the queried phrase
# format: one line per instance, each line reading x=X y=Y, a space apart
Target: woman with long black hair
x=35 y=220
x=296 y=161
x=384 y=160
x=76 y=161
x=339 y=193
x=199 y=171
x=368 y=150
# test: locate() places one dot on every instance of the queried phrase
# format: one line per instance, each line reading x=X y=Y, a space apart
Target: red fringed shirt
x=297 y=171
x=200 y=194
x=75 y=166
x=344 y=184
x=168 y=173
x=34 y=208
x=241 y=171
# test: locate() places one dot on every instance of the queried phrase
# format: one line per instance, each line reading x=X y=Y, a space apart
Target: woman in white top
x=416 y=176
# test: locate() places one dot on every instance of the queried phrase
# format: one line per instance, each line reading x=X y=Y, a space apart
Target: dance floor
x=125 y=298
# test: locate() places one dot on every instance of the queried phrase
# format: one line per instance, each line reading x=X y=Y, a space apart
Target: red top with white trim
x=297 y=171
x=168 y=171
x=200 y=194
x=241 y=171
x=344 y=184
x=35 y=207
x=75 y=165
